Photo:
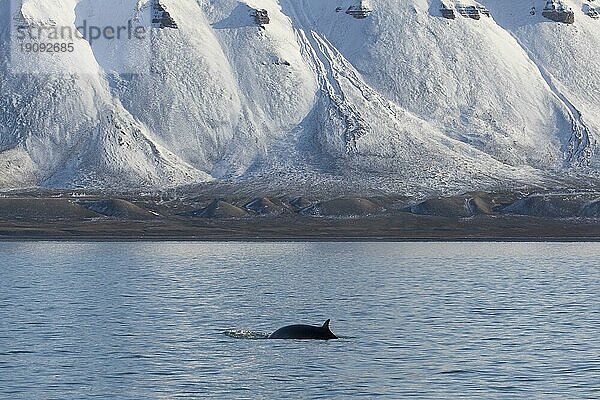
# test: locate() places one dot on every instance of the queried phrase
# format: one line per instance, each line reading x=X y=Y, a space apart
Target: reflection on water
x=423 y=320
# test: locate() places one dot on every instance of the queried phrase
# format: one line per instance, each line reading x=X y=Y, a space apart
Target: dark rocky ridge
x=118 y=209
x=43 y=209
x=343 y=207
x=217 y=209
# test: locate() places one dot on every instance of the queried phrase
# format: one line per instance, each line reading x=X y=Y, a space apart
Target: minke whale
x=304 y=332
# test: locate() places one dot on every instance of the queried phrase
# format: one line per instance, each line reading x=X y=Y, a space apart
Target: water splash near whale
x=246 y=334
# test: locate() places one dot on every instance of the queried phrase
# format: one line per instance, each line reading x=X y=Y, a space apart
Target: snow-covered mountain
x=397 y=95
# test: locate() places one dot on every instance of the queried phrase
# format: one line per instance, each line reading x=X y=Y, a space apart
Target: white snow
x=403 y=100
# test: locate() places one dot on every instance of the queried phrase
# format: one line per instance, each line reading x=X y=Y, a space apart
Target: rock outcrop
x=261 y=17
x=557 y=11
x=160 y=16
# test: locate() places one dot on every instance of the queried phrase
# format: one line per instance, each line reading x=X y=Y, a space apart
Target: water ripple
x=417 y=320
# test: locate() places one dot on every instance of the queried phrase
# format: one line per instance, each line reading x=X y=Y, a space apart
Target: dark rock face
x=483 y=10
x=261 y=17
x=566 y=17
x=468 y=11
x=161 y=18
x=447 y=11
x=359 y=11
x=556 y=11
x=591 y=12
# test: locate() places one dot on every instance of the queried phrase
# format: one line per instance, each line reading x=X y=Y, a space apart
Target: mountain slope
x=568 y=58
x=403 y=100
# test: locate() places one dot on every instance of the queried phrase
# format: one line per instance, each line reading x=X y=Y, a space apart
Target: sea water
x=171 y=320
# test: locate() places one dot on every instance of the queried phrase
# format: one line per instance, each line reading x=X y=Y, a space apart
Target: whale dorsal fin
x=326 y=324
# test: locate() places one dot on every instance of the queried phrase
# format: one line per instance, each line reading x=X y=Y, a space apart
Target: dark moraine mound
x=343 y=207
x=592 y=210
x=456 y=207
x=219 y=209
x=547 y=206
x=118 y=208
x=264 y=205
x=41 y=209
x=300 y=203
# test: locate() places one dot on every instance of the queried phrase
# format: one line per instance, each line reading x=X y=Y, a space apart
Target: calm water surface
x=422 y=320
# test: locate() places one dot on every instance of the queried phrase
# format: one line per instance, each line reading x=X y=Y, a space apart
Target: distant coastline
x=468 y=217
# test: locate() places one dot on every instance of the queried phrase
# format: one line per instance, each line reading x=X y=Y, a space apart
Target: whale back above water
x=304 y=332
